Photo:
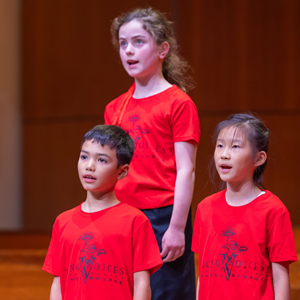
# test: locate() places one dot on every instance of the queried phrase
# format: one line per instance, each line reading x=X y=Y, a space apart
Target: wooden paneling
x=282 y=173
x=245 y=56
x=70 y=72
x=51 y=183
x=70 y=68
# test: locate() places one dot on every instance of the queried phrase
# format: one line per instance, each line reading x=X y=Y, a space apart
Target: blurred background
x=58 y=70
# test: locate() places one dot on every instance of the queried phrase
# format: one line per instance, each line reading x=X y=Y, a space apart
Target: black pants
x=174 y=280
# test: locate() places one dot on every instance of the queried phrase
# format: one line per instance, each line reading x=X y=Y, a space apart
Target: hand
x=173 y=244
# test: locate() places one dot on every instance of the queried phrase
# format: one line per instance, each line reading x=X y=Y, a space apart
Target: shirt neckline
x=153 y=96
x=99 y=212
x=260 y=197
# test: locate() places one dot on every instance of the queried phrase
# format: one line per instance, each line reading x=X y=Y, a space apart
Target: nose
x=225 y=153
x=90 y=165
x=129 y=49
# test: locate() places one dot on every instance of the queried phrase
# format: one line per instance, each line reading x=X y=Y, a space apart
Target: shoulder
x=211 y=201
x=65 y=217
x=178 y=96
x=130 y=213
x=272 y=203
x=116 y=102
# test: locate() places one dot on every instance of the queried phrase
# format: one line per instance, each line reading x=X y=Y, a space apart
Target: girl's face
x=234 y=157
x=138 y=51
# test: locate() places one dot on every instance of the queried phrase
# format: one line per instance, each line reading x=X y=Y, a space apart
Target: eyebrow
x=134 y=36
x=233 y=140
x=102 y=154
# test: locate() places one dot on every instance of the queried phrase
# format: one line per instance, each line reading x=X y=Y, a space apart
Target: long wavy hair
x=174 y=67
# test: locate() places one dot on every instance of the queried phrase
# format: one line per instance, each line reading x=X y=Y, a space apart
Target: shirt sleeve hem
x=290 y=259
x=195 y=250
x=152 y=268
x=187 y=139
x=50 y=271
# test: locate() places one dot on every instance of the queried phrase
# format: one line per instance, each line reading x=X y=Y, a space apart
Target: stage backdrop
x=245 y=57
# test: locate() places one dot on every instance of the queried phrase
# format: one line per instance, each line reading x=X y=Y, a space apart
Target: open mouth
x=132 y=62
x=225 y=167
x=89 y=177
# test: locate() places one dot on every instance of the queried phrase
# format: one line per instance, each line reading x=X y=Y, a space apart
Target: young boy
x=102 y=249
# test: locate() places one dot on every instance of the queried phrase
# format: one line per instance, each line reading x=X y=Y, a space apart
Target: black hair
x=115 y=137
x=258 y=136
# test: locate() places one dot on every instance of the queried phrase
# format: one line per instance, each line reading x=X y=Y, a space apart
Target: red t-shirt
x=155 y=123
x=96 y=254
x=237 y=245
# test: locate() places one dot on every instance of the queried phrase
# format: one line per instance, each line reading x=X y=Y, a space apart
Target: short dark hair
x=258 y=136
x=115 y=137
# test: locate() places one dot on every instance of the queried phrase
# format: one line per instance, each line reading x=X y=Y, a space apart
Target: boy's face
x=97 y=167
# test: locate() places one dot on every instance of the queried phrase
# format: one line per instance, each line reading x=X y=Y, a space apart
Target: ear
x=163 y=50
x=123 y=171
x=261 y=157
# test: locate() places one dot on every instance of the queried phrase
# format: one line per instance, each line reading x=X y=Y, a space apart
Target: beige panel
x=10 y=117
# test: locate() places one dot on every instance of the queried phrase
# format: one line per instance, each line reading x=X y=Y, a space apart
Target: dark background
x=245 y=57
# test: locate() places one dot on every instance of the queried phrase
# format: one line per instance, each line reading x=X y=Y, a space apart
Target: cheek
x=122 y=56
x=215 y=156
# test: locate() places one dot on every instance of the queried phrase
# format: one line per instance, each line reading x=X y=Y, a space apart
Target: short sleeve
x=51 y=263
x=281 y=243
x=196 y=233
x=185 y=121
x=146 y=255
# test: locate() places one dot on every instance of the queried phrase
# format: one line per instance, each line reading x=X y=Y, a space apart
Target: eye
x=219 y=146
x=235 y=146
x=102 y=160
x=123 y=44
x=83 y=157
x=139 y=41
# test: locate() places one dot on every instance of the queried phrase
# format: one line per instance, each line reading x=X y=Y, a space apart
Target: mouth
x=226 y=168
x=89 y=177
x=132 y=62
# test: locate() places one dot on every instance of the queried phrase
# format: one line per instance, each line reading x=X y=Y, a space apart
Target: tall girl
x=163 y=121
x=243 y=234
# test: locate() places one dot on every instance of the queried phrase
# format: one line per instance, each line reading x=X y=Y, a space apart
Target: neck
x=238 y=195
x=98 y=201
x=146 y=87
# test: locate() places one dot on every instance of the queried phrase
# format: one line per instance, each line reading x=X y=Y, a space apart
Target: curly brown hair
x=174 y=67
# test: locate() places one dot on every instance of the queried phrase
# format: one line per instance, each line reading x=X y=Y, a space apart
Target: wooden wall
x=245 y=56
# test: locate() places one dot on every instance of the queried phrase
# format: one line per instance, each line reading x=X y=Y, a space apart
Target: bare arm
x=141 y=286
x=197 y=290
x=281 y=282
x=173 y=241
x=55 y=293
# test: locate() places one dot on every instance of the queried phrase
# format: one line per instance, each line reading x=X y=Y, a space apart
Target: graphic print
x=88 y=255
x=144 y=148
x=233 y=249
x=136 y=130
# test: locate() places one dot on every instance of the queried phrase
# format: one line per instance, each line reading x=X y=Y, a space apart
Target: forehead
x=234 y=133
x=93 y=146
x=134 y=27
